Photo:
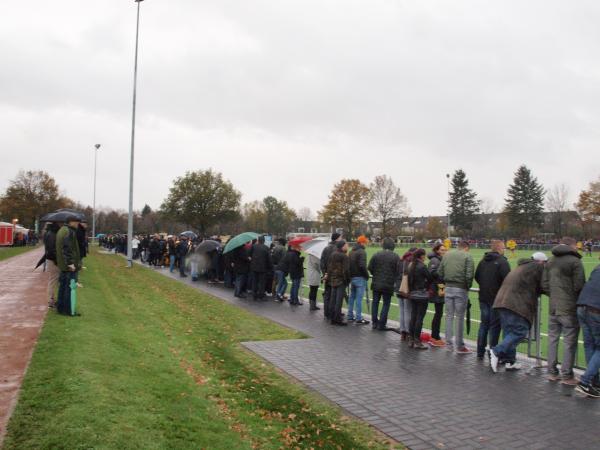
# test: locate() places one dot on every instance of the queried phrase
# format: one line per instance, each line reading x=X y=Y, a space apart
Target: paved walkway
x=424 y=399
x=23 y=307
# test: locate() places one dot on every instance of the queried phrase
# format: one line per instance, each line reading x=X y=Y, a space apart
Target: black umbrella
x=468 y=316
x=189 y=234
x=74 y=212
x=61 y=215
x=208 y=246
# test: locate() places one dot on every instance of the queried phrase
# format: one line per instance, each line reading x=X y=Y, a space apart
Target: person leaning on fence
x=491 y=272
x=386 y=270
x=437 y=297
x=68 y=262
x=325 y=255
x=517 y=303
x=457 y=271
x=338 y=277
x=359 y=277
x=563 y=279
x=419 y=284
x=588 y=313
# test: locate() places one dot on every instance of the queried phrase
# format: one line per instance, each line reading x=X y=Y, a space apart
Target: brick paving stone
x=422 y=398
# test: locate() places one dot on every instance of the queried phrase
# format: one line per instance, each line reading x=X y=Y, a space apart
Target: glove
x=71 y=267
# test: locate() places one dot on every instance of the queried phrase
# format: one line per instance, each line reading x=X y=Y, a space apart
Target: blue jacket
x=590 y=295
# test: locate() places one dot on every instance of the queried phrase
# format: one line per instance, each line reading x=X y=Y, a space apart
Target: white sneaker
x=513 y=366
x=493 y=361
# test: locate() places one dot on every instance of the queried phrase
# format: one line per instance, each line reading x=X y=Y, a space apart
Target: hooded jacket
x=563 y=279
x=590 y=294
x=491 y=272
x=293 y=264
x=434 y=264
x=386 y=269
x=358 y=262
x=520 y=290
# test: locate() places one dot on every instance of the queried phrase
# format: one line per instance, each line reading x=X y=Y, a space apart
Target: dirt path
x=23 y=307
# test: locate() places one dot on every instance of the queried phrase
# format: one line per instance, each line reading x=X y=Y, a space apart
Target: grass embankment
x=9 y=252
x=155 y=364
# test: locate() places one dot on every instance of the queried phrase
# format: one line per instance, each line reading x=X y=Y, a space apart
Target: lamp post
x=448 y=179
x=130 y=216
x=97 y=147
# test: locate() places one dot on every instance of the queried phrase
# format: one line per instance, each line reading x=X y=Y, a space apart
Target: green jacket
x=457 y=269
x=67 y=249
x=563 y=279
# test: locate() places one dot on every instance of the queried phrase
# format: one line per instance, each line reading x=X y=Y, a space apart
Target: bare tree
x=305 y=214
x=557 y=201
x=387 y=201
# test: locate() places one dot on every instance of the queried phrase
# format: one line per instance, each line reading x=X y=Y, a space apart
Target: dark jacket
x=338 y=269
x=82 y=241
x=327 y=252
x=277 y=254
x=67 y=249
x=590 y=294
x=419 y=279
x=358 y=262
x=171 y=247
x=491 y=272
x=260 y=258
x=182 y=248
x=241 y=261
x=386 y=269
x=434 y=263
x=50 y=243
x=564 y=278
x=293 y=264
x=520 y=290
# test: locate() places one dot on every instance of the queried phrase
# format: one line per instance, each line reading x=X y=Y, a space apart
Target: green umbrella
x=73 y=286
x=239 y=240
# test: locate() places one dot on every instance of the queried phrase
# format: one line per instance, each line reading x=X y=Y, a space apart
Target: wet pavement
x=23 y=308
x=424 y=399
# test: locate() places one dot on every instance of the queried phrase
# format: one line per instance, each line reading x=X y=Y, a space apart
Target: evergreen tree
x=463 y=203
x=525 y=202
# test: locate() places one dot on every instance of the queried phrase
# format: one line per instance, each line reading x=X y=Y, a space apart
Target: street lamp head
x=447 y=175
x=97 y=146
x=137 y=1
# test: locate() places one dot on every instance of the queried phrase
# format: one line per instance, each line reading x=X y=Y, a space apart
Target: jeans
x=404 y=305
x=240 y=284
x=569 y=327
x=182 y=266
x=436 y=322
x=63 y=302
x=172 y=260
x=490 y=322
x=418 y=311
x=281 y=283
x=590 y=324
x=294 y=291
x=456 y=305
x=380 y=322
x=515 y=329
x=358 y=285
x=336 y=301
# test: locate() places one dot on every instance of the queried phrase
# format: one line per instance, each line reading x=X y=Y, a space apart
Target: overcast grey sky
x=287 y=97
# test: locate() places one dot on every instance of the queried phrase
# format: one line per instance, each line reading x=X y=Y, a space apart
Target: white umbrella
x=315 y=247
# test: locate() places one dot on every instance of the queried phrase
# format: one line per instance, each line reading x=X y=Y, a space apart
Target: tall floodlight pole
x=97 y=146
x=448 y=178
x=130 y=217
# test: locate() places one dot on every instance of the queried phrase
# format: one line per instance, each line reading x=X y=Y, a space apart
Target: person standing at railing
x=327 y=252
x=419 y=283
x=517 y=303
x=457 y=270
x=386 y=269
x=491 y=272
x=588 y=313
x=359 y=277
x=564 y=278
x=437 y=298
x=338 y=277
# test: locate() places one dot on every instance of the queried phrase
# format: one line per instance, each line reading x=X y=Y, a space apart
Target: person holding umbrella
x=68 y=262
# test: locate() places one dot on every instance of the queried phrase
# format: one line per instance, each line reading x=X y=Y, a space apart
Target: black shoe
x=362 y=322
x=182 y=276
x=241 y=296
x=588 y=390
x=340 y=324
x=351 y=320
x=314 y=308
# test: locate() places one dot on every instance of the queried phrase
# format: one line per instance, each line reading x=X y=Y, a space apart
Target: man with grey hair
x=563 y=280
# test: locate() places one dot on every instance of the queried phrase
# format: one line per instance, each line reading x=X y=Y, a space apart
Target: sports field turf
x=588 y=262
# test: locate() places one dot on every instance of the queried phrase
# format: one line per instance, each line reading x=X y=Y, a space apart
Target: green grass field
x=588 y=262
x=9 y=252
x=154 y=364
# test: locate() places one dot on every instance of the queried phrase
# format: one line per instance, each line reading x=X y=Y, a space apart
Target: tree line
x=206 y=202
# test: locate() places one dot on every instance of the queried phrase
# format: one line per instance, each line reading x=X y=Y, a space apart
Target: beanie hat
x=362 y=239
x=539 y=256
x=335 y=236
x=340 y=244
